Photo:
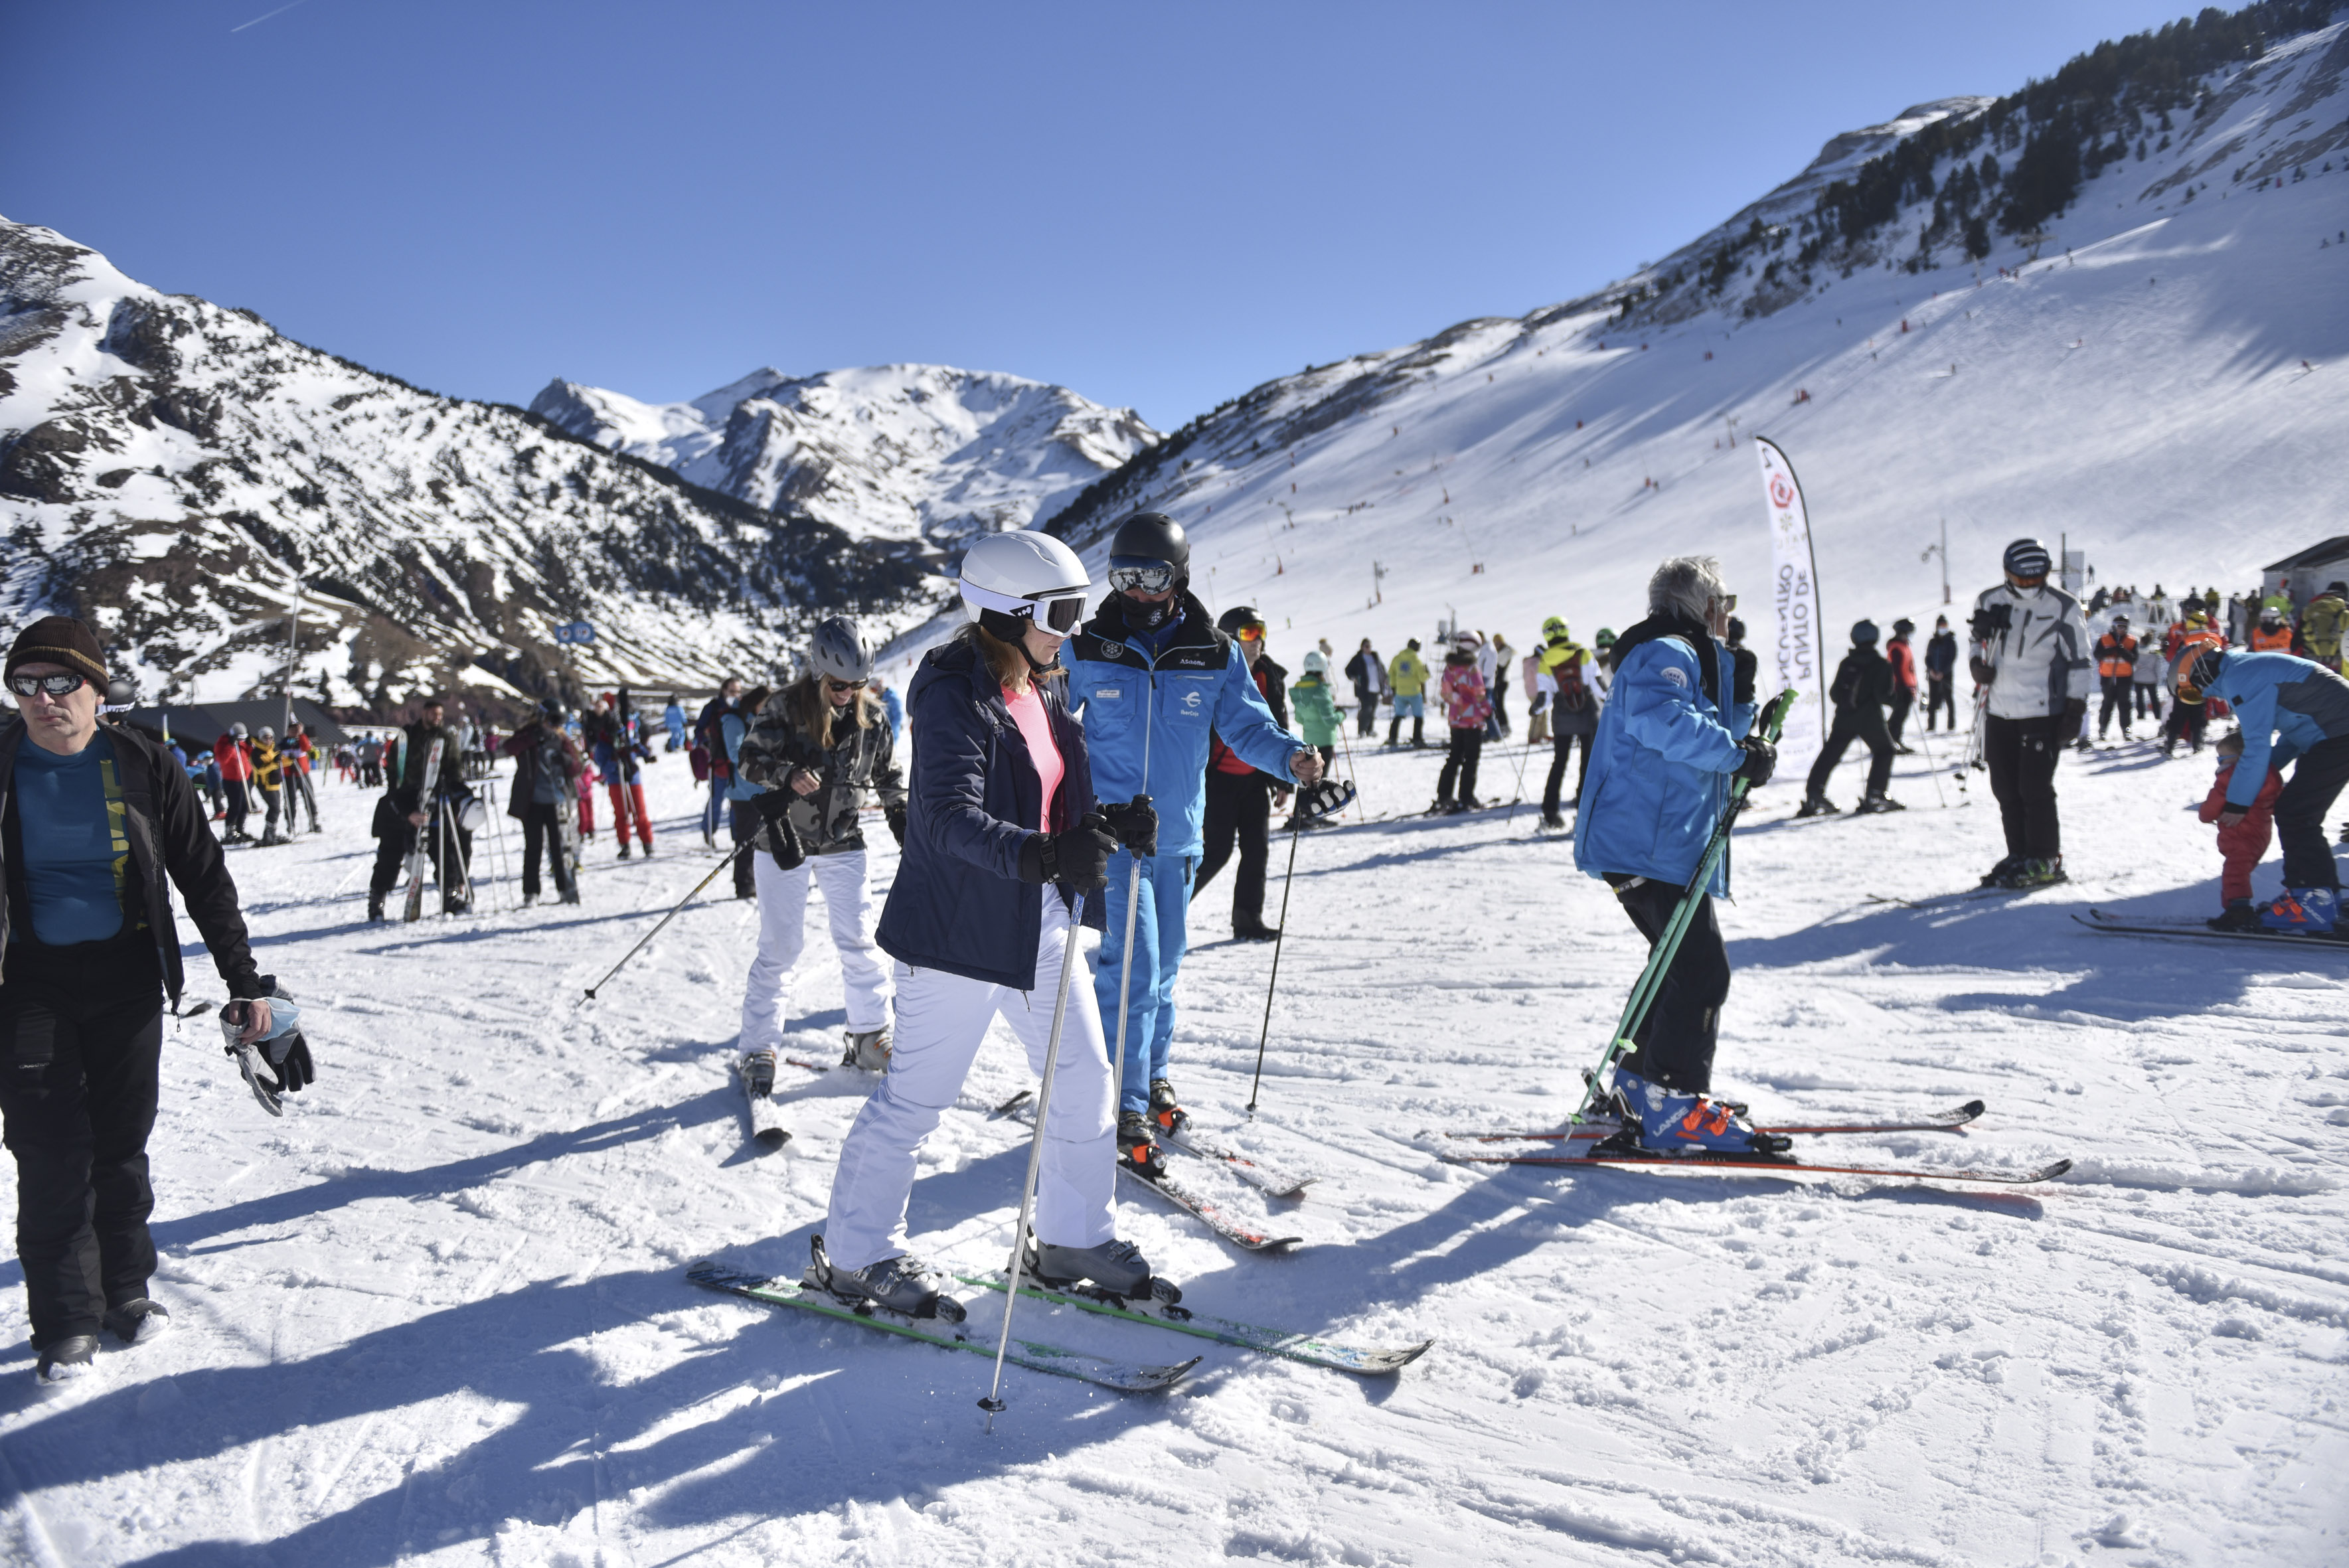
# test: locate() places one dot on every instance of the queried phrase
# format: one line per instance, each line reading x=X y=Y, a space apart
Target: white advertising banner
x=1792 y=657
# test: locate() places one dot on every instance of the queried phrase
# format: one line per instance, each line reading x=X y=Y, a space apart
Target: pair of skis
x=1267 y=1178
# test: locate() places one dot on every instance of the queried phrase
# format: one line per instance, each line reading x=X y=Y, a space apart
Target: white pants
x=941 y=1020
x=782 y=935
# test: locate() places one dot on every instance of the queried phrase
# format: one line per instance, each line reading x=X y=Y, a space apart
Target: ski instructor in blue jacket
x=1154 y=678
x=1671 y=736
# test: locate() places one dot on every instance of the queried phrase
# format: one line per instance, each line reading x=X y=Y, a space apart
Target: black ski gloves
x=782 y=840
x=1760 y=760
x=1981 y=669
x=288 y=1054
x=1076 y=859
x=1744 y=666
x=1135 y=823
x=2074 y=710
x=895 y=817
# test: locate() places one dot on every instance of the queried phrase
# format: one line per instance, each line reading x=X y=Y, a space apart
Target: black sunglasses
x=55 y=686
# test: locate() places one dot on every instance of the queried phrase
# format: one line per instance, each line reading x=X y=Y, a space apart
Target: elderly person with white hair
x=1671 y=737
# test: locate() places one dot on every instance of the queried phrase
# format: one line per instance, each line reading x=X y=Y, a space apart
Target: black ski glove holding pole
x=1135 y=823
x=895 y=817
x=783 y=839
x=1077 y=858
x=1760 y=760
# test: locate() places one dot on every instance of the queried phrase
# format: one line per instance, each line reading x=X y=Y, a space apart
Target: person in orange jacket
x=1903 y=660
x=2117 y=673
x=235 y=762
x=2272 y=634
x=2246 y=842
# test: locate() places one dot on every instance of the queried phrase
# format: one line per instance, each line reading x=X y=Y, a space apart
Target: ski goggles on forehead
x=1140 y=574
x=1059 y=613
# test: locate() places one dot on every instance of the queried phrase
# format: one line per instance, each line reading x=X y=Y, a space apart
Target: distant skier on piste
x=1156 y=682
x=1240 y=797
x=1672 y=736
x=2116 y=676
x=1573 y=711
x=1863 y=684
x=2030 y=646
x=2287 y=706
x=1002 y=836
x=1941 y=672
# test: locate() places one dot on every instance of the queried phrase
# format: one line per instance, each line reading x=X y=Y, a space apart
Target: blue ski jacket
x=2286 y=705
x=1661 y=762
x=958 y=902
x=1197 y=687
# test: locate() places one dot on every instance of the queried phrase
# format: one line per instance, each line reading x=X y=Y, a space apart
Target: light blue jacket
x=1197 y=686
x=2285 y=704
x=1661 y=762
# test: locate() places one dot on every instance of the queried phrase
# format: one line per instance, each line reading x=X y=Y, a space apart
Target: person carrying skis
x=2282 y=699
x=546 y=781
x=1897 y=653
x=817 y=749
x=612 y=742
x=2244 y=840
x=1862 y=684
x=1002 y=837
x=1671 y=737
x=1569 y=669
x=1940 y=669
x=97 y=826
x=1408 y=677
x=1468 y=710
x=1369 y=673
x=1160 y=685
x=301 y=755
x=2324 y=621
x=2116 y=673
x=407 y=805
x=2031 y=649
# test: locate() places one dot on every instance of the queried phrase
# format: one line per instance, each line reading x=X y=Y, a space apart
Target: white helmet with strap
x=1019 y=578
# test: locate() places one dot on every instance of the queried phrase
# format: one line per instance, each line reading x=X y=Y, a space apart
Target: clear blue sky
x=1159 y=206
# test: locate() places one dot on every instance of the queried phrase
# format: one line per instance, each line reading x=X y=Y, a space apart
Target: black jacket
x=408 y=791
x=170 y=836
x=1942 y=654
x=522 y=746
x=1864 y=680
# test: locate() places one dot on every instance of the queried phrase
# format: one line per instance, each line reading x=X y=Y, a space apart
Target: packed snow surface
x=438 y=1314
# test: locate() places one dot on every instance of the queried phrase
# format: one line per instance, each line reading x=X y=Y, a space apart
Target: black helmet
x=1231 y=622
x=1864 y=633
x=1903 y=626
x=1149 y=554
x=2028 y=559
x=550 y=710
x=1737 y=630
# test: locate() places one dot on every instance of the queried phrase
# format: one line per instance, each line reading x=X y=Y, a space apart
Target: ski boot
x=1875 y=804
x=375 y=907
x=571 y=896
x=2028 y=873
x=1673 y=1121
x=1553 y=822
x=137 y=1322
x=2303 y=911
x=1817 y=806
x=2242 y=914
x=869 y=1050
x=1114 y=1268
x=624 y=849
x=1440 y=807
x=1260 y=931
x=1137 y=1146
x=903 y=1285
x=1997 y=874
x=76 y=1355
x=757 y=1070
x=1165 y=1110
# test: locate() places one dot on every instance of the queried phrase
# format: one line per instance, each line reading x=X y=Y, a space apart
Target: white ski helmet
x=1317 y=663
x=838 y=649
x=1012 y=579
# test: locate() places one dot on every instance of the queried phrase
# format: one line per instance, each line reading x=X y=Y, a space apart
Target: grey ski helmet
x=838 y=649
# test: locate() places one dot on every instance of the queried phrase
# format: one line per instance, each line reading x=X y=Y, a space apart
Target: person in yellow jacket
x=1408 y=674
x=2321 y=624
x=269 y=777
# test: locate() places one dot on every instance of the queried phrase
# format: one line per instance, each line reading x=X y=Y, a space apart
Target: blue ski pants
x=1161 y=933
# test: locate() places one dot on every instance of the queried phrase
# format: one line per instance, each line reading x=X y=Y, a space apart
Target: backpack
x=1573 y=696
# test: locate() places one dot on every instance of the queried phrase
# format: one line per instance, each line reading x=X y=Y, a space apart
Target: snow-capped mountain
x=185 y=477
x=2155 y=373
x=914 y=453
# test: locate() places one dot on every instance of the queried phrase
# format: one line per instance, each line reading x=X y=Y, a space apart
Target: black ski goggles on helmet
x=1141 y=575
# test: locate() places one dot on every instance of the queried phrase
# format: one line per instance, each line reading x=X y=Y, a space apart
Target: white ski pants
x=941 y=1020
x=782 y=935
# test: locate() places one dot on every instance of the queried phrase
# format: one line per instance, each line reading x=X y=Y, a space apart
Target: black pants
x=2185 y=723
x=1562 y=747
x=2315 y=782
x=1366 y=711
x=1418 y=730
x=742 y=822
x=2148 y=699
x=542 y=833
x=1864 y=724
x=1938 y=700
x=269 y=797
x=1676 y=1038
x=1460 y=766
x=392 y=854
x=1501 y=705
x=237 y=807
x=1903 y=700
x=82 y=1032
x=2117 y=697
x=2021 y=753
x=1238 y=807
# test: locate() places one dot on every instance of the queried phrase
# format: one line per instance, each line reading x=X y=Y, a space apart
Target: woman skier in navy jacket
x=1002 y=836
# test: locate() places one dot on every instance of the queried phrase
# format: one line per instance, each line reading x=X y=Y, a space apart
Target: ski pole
x=1126 y=970
x=1519 y=798
x=993 y=1403
x=1651 y=983
x=1933 y=768
x=672 y=914
x=1280 y=934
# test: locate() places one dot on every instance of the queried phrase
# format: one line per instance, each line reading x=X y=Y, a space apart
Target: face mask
x=1143 y=615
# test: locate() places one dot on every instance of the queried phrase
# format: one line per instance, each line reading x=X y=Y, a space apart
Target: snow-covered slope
x=2167 y=384
x=184 y=475
x=922 y=453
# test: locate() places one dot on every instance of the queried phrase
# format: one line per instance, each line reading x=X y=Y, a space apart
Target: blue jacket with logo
x=2285 y=704
x=1659 y=765
x=958 y=902
x=1199 y=686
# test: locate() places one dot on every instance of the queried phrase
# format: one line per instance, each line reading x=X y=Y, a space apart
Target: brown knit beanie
x=59 y=639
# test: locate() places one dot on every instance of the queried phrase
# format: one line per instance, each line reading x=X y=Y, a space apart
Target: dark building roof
x=2333 y=549
x=197 y=725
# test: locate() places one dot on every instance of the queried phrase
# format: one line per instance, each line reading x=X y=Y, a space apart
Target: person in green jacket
x=1408 y=675
x=1315 y=704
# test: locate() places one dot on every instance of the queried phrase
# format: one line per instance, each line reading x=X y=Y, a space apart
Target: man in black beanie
x=97 y=824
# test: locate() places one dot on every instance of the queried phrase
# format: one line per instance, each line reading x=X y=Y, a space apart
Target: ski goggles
x=1250 y=632
x=1141 y=575
x=54 y=685
x=1059 y=613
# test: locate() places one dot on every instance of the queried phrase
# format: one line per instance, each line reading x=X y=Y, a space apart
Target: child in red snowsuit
x=2244 y=844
